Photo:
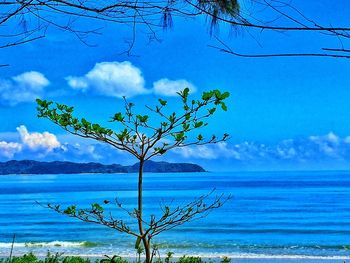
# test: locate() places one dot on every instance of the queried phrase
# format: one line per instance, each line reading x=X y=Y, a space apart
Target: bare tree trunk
x=145 y=242
x=147 y=247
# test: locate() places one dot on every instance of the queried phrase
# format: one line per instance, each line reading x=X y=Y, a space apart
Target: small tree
x=143 y=139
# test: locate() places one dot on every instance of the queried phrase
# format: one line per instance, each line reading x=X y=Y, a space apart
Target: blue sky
x=284 y=113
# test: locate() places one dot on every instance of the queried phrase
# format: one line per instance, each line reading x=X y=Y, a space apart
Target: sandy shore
x=250 y=258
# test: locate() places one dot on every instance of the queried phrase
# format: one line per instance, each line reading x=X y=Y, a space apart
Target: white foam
x=265 y=256
x=130 y=254
x=44 y=244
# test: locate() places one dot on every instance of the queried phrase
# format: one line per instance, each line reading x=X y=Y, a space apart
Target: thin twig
x=12 y=245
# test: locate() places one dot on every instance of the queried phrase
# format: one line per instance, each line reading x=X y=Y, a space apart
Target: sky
x=283 y=113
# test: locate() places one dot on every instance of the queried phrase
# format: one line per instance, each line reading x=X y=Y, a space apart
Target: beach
x=216 y=259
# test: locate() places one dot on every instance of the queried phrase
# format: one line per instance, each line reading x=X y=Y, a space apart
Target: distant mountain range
x=58 y=167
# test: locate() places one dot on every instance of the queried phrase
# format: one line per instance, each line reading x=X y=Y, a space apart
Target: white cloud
x=114 y=79
x=208 y=151
x=78 y=83
x=285 y=152
x=46 y=146
x=168 y=87
x=328 y=144
x=330 y=138
x=118 y=79
x=347 y=139
x=201 y=151
x=36 y=140
x=32 y=79
x=324 y=150
x=9 y=149
x=91 y=150
x=25 y=87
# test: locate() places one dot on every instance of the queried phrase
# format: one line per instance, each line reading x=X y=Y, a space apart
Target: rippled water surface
x=271 y=214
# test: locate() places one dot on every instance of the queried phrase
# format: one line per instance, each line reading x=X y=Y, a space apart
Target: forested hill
x=58 y=167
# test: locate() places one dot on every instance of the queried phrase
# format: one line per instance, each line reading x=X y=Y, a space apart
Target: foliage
x=145 y=136
x=113 y=259
x=225 y=260
x=190 y=259
x=26 y=258
x=139 y=250
x=132 y=137
x=75 y=259
x=59 y=258
x=50 y=258
x=169 y=255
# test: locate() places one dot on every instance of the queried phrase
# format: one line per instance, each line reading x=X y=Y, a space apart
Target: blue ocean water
x=271 y=214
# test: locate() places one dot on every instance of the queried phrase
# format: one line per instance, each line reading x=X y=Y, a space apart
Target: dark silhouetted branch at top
x=336 y=49
x=25 y=21
x=229 y=51
x=334 y=52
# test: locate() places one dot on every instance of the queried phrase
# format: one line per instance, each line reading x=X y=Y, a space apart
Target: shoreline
x=86 y=249
x=210 y=257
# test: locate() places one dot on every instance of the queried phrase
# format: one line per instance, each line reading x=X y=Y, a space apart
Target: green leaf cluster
x=218 y=98
x=137 y=134
x=63 y=116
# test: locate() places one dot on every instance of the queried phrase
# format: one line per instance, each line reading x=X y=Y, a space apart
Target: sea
x=285 y=215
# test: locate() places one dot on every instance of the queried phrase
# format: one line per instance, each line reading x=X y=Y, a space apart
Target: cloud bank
x=314 y=152
x=326 y=151
x=25 y=87
x=36 y=140
x=9 y=149
x=109 y=79
x=45 y=146
x=30 y=145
